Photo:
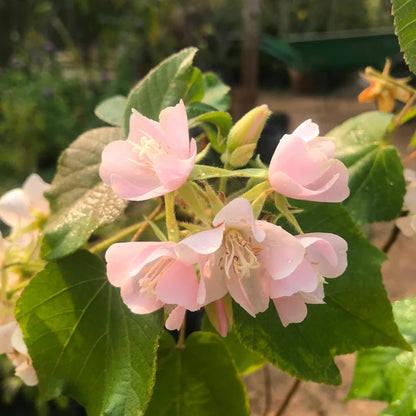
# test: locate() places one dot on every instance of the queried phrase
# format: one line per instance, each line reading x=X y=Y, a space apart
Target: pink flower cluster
x=252 y=260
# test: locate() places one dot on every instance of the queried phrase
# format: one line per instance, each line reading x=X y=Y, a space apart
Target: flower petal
x=291 y=309
x=303 y=279
x=239 y=214
x=174 y=122
x=178 y=285
x=223 y=323
x=280 y=252
x=250 y=293
x=298 y=160
x=120 y=170
x=331 y=187
x=326 y=252
x=302 y=167
x=34 y=189
x=212 y=283
x=139 y=302
x=6 y=333
x=124 y=260
x=172 y=171
x=204 y=242
x=14 y=209
x=175 y=319
x=27 y=373
x=307 y=130
x=140 y=125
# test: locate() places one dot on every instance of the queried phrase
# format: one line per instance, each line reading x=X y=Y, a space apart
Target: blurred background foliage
x=59 y=58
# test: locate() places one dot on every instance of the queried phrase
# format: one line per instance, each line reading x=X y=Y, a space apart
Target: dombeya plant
x=168 y=215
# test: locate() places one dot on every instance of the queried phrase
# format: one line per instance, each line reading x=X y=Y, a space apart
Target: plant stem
x=102 y=245
x=283 y=206
x=391 y=240
x=171 y=222
x=3 y=288
x=267 y=390
x=288 y=397
x=181 y=340
x=398 y=118
x=145 y=224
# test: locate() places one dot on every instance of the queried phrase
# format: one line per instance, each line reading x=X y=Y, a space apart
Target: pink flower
x=240 y=256
x=150 y=276
x=12 y=344
x=303 y=167
x=156 y=158
x=325 y=256
x=20 y=207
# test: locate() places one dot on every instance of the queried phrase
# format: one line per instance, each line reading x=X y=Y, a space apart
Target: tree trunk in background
x=244 y=99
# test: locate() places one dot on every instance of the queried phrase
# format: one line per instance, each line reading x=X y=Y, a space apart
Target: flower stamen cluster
x=239 y=256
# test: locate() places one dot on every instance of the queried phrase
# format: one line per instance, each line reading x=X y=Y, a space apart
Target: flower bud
x=244 y=136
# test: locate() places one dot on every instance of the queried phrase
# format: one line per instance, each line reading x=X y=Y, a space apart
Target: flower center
x=153 y=272
x=146 y=150
x=240 y=257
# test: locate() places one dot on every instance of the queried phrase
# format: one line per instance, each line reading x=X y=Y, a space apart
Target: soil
x=399 y=273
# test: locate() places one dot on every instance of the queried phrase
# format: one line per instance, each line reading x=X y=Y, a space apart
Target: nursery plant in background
x=167 y=220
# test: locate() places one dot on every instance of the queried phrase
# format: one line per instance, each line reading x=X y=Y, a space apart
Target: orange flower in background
x=382 y=90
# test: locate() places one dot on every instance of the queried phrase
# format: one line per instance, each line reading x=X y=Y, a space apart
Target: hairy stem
x=181 y=340
x=171 y=222
x=145 y=224
x=391 y=240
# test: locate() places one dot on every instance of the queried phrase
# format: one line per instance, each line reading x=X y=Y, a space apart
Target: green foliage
x=216 y=92
x=216 y=124
x=200 y=379
x=84 y=341
x=376 y=179
x=389 y=374
x=164 y=86
x=405 y=22
x=111 y=110
x=39 y=117
x=357 y=312
x=246 y=361
x=80 y=201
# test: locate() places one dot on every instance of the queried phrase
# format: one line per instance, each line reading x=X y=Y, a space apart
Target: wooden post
x=244 y=99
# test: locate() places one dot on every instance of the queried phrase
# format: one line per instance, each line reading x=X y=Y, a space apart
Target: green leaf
x=112 y=110
x=220 y=119
x=162 y=87
x=200 y=379
x=389 y=374
x=80 y=202
x=217 y=94
x=357 y=313
x=216 y=124
x=376 y=182
x=196 y=87
x=404 y=12
x=246 y=361
x=84 y=342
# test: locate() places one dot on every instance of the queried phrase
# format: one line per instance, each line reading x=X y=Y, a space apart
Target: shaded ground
x=399 y=274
